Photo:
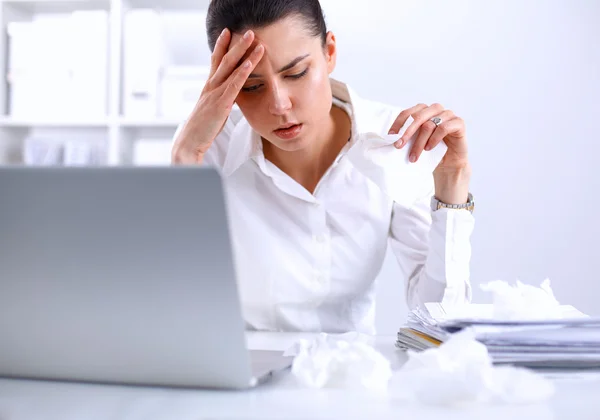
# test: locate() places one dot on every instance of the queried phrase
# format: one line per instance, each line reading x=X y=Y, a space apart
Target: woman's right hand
x=225 y=81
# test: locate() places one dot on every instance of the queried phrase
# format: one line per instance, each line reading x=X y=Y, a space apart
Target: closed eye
x=292 y=76
x=250 y=88
x=299 y=75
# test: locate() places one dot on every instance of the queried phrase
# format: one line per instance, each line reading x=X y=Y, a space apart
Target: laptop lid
x=119 y=275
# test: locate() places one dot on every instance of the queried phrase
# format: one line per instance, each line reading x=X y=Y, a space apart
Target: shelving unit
x=8 y=122
x=120 y=130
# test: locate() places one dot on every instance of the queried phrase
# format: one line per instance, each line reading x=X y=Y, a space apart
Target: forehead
x=283 y=39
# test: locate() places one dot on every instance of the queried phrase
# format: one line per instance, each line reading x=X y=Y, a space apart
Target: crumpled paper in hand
x=376 y=157
x=460 y=371
x=523 y=301
x=342 y=361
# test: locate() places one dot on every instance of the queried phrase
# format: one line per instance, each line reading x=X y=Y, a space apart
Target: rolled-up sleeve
x=216 y=154
x=433 y=249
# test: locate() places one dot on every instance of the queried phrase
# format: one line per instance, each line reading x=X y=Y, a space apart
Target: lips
x=286 y=126
x=288 y=131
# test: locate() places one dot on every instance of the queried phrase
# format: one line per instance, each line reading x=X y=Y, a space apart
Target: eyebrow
x=284 y=68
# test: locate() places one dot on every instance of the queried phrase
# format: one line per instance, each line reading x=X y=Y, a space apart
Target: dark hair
x=241 y=15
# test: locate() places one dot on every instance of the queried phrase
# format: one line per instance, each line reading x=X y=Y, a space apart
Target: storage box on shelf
x=147 y=145
x=68 y=149
x=57 y=66
x=164 y=81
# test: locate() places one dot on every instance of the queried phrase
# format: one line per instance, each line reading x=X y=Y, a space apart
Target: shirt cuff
x=450 y=238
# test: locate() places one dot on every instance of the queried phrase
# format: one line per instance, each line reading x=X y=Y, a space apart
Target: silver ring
x=436 y=120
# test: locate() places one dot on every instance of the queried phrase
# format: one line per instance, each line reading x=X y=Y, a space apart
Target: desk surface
x=577 y=398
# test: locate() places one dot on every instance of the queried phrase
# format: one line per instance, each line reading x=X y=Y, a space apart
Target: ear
x=330 y=51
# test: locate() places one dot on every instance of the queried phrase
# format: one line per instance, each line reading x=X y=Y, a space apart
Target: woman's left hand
x=451 y=130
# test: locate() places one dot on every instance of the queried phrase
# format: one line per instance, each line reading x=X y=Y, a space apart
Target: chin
x=292 y=145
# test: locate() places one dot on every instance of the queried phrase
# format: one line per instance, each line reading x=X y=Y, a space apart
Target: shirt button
x=321 y=278
x=320 y=238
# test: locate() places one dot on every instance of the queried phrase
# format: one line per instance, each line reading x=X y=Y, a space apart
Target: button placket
x=321 y=245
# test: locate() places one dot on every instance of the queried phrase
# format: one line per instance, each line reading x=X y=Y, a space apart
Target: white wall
x=525 y=75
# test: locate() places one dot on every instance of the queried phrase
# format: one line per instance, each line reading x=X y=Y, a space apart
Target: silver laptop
x=121 y=275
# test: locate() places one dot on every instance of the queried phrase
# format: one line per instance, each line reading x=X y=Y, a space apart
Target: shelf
x=169 y=4
x=62 y=6
x=150 y=123
x=8 y=121
x=57 y=6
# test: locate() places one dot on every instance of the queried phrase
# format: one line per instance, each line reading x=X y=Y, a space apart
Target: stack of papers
x=572 y=341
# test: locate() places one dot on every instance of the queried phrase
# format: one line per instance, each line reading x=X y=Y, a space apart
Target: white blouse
x=307 y=262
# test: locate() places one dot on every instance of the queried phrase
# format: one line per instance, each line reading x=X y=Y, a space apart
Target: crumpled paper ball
x=342 y=361
x=460 y=371
x=523 y=301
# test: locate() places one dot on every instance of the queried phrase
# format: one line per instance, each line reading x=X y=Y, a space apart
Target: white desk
x=576 y=399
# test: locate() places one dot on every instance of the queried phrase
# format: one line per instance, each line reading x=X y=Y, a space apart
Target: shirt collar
x=246 y=144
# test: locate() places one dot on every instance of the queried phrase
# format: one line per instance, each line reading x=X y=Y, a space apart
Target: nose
x=280 y=102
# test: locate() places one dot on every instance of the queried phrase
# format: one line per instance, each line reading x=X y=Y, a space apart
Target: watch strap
x=469 y=205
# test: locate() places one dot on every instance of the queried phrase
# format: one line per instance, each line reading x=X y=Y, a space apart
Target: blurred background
x=106 y=82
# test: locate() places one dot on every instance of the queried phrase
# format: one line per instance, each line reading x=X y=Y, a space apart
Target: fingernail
x=399 y=144
x=247 y=34
x=223 y=33
x=392 y=131
x=247 y=64
x=428 y=147
x=258 y=48
x=413 y=158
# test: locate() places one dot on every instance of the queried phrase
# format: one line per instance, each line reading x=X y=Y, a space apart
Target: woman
x=309 y=229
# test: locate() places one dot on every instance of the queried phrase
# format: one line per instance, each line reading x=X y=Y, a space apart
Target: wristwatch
x=469 y=205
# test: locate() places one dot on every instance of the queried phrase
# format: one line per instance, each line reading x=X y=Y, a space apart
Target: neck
x=307 y=166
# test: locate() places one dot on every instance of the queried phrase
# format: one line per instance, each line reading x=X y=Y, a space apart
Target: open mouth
x=288 y=131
